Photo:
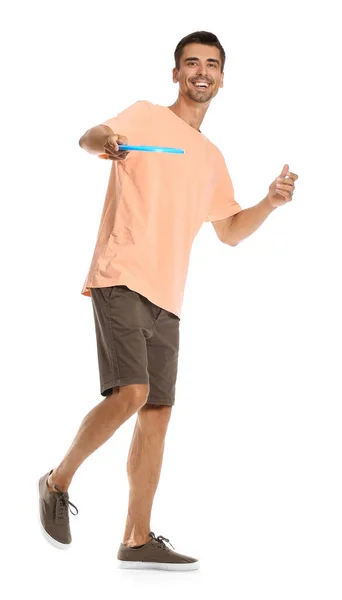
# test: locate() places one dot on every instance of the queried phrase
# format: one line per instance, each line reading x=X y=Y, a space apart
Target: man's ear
x=175 y=75
x=222 y=78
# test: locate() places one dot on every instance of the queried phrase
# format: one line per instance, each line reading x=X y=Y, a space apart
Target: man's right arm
x=102 y=141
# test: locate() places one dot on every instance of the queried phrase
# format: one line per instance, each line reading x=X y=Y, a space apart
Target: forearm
x=247 y=221
x=93 y=140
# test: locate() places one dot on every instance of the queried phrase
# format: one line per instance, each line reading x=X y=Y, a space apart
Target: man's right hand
x=111 y=147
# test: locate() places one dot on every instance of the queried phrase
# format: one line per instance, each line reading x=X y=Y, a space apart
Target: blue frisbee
x=151 y=149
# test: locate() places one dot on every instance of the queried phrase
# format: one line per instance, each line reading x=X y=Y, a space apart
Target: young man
x=154 y=207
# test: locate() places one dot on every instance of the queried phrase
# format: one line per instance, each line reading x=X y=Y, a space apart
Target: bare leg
x=143 y=469
x=97 y=427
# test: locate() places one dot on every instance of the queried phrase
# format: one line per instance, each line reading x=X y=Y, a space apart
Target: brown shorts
x=137 y=342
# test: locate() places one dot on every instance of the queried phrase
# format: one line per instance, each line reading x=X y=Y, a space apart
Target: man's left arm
x=244 y=223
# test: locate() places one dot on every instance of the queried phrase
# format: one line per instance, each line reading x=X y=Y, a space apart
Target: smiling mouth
x=201 y=86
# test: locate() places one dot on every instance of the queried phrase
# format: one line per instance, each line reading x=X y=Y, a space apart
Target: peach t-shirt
x=155 y=205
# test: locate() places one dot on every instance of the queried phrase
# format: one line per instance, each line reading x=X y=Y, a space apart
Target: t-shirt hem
x=86 y=292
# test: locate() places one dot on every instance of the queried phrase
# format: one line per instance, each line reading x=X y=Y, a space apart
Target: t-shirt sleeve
x=131 y=121
x=223 y=203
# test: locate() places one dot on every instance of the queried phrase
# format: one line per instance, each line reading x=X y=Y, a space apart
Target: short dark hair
x=199 y=37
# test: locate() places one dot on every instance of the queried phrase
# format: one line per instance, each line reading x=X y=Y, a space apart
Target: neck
x=191 y=112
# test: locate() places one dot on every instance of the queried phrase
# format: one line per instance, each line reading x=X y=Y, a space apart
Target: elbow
x=228 y=242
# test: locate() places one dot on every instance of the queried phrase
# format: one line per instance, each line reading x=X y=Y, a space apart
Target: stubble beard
x=200 y=97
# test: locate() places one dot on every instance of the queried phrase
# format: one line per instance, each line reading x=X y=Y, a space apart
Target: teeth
x=201 y=84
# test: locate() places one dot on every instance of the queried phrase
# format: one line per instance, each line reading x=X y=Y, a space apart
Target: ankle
x=137 y=541
x=56 y=479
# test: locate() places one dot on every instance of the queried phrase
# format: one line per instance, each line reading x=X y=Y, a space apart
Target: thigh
x=162 y=355
x=122 y=325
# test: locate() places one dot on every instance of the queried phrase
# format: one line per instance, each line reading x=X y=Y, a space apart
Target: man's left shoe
x=54 y=513
x=155 y=555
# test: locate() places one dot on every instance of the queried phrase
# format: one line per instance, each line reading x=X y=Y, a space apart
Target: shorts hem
x=121 y=382
x=156 y=400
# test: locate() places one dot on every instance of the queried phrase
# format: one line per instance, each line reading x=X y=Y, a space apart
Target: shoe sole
x=48 y=537
x=129 y=564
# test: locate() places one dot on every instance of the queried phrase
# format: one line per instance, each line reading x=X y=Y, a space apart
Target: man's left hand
x=281 y=190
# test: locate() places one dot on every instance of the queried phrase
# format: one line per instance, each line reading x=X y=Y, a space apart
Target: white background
x=251 y=477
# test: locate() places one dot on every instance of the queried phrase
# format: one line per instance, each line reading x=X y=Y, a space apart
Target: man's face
x=199 y=64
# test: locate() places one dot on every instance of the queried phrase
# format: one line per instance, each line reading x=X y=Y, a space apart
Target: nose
x=202 y=71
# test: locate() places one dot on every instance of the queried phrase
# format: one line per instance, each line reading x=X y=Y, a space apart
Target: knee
x=135 y=394
x=154 y=418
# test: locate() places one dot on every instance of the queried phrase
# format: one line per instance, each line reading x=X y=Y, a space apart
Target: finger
x=121 y=141
x=285 y=186
x=110 y=147
x=113 y=144
x=121 y=153
x=292 y=176
x=285 y=195
x=119 y=156
x=116 y=152
x=112 y=151
x=286 y=179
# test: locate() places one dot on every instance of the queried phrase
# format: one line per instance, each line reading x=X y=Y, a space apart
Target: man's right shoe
x=54 y=514
x=155 y=555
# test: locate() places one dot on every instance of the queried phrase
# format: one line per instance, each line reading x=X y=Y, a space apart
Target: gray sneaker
x=54 y=514
x=155 y=555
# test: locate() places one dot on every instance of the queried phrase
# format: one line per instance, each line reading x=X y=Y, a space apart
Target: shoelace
x=62 y=504
x=160 y=539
